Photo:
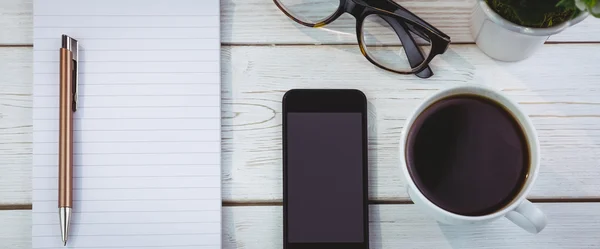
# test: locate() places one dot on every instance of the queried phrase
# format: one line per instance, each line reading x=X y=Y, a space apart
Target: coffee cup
x=470 y=155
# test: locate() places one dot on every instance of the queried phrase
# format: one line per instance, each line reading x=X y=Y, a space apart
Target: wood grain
x=571 y=225
x=260 y=22
x=16 y=77
x=558 y=88
x=240 y=24
x=562 y=103
x=15 y=231
x=404 y=226
x=16 y=22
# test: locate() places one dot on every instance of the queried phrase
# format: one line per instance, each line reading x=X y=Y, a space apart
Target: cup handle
x=528 y=217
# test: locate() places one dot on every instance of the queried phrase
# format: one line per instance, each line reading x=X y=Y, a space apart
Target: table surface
x=559 y=88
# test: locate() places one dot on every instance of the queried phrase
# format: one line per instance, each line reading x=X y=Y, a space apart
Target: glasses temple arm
x=414 y=54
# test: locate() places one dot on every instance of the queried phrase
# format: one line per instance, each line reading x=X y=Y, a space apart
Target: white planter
x=506 y=41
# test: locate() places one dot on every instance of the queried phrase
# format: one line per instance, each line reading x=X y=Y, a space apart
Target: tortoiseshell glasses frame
x=403 y=22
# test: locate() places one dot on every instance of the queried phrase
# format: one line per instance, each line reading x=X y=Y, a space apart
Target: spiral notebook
x=147 y=131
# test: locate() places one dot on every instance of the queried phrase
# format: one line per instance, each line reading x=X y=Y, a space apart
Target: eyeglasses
x=381 y=27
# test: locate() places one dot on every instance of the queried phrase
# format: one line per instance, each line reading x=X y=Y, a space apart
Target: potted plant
x=512 y=30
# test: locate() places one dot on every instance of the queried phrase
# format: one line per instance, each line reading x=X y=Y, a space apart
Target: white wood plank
x=16 y=22
x=244 y=22
x=15 y=231
x=15 y=125
x=562 y=101
x=261 y=22
x=571 y=225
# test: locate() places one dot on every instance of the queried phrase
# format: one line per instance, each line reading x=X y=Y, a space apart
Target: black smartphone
x=325 y=181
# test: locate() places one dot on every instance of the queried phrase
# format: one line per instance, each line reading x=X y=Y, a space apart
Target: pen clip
x=72 y=45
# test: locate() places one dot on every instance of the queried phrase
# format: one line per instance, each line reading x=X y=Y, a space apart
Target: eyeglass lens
x=385 y=39
x=383 y=44
x=310 y=11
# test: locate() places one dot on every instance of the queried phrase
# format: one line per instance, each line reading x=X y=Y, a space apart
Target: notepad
x=147 y=131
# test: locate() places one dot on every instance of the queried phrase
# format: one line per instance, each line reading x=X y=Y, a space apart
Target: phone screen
x=324 y=177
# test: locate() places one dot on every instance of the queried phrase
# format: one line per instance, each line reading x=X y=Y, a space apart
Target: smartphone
x=325 y=181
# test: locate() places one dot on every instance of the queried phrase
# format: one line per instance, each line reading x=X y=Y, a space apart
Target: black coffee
x=468 y=155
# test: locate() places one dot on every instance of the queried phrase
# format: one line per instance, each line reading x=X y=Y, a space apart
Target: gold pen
x=67 y=106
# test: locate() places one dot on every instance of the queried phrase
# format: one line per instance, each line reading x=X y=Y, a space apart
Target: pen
x=67 y=106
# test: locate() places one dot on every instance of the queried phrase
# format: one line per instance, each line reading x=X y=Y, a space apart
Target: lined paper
x=147 y=131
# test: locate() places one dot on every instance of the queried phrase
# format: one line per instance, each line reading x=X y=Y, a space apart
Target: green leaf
x=589 y=3
x=535 y=13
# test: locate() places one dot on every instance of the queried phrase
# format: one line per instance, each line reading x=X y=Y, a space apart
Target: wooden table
x=264 y=54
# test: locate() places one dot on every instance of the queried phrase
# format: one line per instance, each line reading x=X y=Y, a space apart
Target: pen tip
x=65 y=221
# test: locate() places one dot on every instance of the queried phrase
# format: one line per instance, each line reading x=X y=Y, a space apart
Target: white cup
x=520 y=211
